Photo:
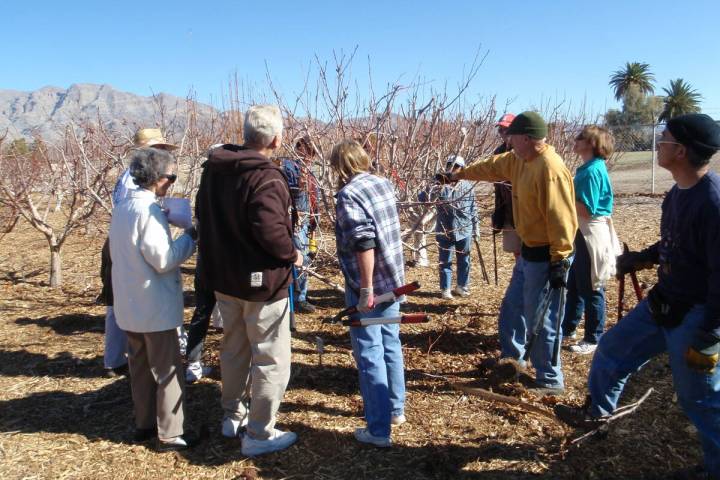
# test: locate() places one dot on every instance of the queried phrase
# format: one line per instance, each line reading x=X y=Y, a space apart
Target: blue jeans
x=462 y=252
x=511 y=319
x=116 y=342
x=582 y=298
x=626 y=347
x=528 y=285
x=301 y=241
x=378 y=354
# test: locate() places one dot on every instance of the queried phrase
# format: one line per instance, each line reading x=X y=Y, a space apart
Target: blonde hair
x=262 y=124
x=600 y=139
x=348 y=158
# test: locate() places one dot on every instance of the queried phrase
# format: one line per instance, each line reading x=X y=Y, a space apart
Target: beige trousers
x=157 y=381
x=254 y=357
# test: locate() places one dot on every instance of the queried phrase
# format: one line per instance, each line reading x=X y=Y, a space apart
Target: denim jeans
x=528 y=285
x=204 y=304
x=511 y=319
x=116 y=342
x=378 y=354
x=626 y=347
x=301 y=240
x=462 y=252
x=582 y=298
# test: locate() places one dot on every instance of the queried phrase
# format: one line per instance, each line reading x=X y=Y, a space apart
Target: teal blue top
x=593 y=187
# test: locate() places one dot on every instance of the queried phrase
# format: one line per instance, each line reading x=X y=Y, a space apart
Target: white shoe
x=195 y=371
x=398 y=419
x=363 y=435
x=233 y=428
x=461 y=291
x=583 y=348
x=279 y=440
x=446 y=295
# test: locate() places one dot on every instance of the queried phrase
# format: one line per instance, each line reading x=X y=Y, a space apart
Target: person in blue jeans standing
x=595 y=241
x=681 y=314
x=304 y=191
x=370 y=251
x=454 y=229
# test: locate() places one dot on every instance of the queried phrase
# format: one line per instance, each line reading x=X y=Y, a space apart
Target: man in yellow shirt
x=545 y=220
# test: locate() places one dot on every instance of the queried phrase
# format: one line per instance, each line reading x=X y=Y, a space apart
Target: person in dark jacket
x=247 y=250
x=681 y=314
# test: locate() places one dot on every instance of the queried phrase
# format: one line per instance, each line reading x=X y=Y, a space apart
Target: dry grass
x=60 y=418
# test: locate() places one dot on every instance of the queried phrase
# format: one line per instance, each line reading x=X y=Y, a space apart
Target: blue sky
x=536 y=50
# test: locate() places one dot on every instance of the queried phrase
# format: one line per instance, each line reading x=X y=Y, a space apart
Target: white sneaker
x=446 y=295
x=278 y=441
x=583 y=348
x=398 y=419
x=195 y=371
x=364 y=435
x=461 y=291
x=233 y=428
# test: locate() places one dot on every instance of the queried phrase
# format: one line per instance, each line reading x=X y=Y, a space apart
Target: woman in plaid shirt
x=367 y=232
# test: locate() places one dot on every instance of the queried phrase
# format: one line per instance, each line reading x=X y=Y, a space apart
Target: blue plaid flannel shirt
x=457 y=213
x=366 y=210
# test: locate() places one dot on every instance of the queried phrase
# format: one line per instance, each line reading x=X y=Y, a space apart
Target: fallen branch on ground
x=496 y=397
x=619 y=413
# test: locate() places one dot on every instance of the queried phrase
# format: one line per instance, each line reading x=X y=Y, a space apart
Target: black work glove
x=558 y=273
x=630 y=262
x=192 y=231
x=444 y=177
x=703 y=352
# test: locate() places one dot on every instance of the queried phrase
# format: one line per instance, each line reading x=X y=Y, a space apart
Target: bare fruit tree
x=58 y=188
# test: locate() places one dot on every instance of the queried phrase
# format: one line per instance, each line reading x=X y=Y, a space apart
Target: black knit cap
x=697 y=131
x=530 y=124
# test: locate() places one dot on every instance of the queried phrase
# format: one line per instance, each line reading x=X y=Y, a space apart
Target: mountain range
x=46 y=111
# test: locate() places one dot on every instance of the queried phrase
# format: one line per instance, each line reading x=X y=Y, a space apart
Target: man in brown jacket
x=247 y=250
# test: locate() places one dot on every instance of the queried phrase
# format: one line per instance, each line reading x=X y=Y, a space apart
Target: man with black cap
x=681 y=314
x=545 y=220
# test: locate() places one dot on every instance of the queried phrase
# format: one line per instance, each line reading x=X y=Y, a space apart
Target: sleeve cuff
x=365 y=244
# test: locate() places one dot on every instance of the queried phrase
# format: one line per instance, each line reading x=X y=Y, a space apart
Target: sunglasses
x=170 y=176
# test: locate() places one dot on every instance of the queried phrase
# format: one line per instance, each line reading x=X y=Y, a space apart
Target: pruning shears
x=391 y=296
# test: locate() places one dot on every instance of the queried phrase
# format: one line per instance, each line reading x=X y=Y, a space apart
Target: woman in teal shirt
x=594 y=241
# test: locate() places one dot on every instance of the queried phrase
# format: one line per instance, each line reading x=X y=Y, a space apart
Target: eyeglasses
x=170 y=176
x=660 y=139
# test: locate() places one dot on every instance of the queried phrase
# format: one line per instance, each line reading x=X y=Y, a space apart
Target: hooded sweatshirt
x=245 y=240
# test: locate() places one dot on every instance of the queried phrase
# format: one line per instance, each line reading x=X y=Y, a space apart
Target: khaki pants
x=157 y=382
x=255 y=356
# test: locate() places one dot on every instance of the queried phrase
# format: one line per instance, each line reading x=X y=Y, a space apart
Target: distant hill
x=45 y=111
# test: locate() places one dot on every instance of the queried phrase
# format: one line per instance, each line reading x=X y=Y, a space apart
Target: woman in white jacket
x=149 y=298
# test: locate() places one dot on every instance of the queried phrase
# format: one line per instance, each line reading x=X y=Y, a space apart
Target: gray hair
x=262 y=124
x=148 y=164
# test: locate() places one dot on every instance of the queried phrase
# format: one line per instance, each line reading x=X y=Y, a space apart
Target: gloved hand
x=366 y=302
x=192 y=231
x=704 y=352
x=630 y=262
x=444 y=177
x=558 y=273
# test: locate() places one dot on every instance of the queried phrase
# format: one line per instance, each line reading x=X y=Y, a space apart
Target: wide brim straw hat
x=152 y=137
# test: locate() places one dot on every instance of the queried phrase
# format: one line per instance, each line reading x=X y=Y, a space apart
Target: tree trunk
x=55 y=265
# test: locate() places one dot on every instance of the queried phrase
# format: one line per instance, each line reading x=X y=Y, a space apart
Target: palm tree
x=680 y=98
x=634 y=74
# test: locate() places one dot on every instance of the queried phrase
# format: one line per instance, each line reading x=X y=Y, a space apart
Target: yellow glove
x=704 y=352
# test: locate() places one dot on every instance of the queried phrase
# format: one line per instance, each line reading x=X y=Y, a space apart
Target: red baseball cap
x=505 y=120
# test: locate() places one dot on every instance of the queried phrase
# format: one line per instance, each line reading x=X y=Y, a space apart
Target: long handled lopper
x=540 y=313
x=384 y=298
x=482 y=262
x=380 y=299
x=621 y=288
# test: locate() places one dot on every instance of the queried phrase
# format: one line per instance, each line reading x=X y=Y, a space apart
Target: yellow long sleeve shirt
x=543 y=197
